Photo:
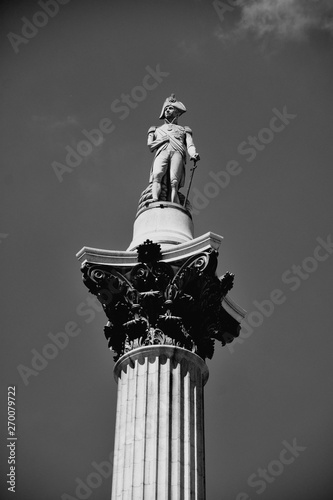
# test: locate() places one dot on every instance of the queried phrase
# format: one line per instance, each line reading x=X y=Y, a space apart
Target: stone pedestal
x=165 y=223
x=159 y=439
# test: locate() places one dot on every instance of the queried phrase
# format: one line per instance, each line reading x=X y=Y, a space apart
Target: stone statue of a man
x=170 y=142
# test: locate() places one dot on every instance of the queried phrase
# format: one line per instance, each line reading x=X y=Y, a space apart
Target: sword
x=189 y=186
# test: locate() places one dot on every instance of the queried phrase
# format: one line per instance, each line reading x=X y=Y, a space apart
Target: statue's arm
x=191 y=149
x=153 y=143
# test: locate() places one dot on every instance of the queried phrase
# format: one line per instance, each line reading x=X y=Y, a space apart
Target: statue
x=170 y=142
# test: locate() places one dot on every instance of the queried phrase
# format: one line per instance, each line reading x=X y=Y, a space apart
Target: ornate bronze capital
x=155 y=302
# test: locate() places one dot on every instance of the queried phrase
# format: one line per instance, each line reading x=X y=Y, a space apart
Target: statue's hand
x=195 y=157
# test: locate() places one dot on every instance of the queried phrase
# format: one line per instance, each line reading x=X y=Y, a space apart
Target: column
x=159 y=437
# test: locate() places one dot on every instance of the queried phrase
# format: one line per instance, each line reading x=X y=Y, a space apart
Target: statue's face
x=170 y=112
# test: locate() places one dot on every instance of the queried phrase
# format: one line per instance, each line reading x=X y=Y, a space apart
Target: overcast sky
x=257 y=82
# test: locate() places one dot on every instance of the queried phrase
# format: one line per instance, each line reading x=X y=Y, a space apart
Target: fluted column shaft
x=159 y=438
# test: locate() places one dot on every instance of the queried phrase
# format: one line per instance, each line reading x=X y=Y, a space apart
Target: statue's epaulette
x=151 y=129
x=188 y=129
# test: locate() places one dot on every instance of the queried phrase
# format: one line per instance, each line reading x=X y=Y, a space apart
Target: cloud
x=191 y=49
x=282 y=19
x=67 y=121
x=89 y=187
x=53 y=123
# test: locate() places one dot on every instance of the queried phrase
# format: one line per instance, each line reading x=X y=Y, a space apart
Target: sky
x=256 y=78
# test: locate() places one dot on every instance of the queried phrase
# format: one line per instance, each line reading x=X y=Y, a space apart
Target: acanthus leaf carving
x=154 y=303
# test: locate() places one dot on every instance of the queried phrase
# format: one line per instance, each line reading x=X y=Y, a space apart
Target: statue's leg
x=165 y=187
x=159 y=169
x=156 y=190
x=176 y=169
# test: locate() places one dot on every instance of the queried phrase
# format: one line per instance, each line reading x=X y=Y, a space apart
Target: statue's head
x=171 y=104
x=170 y=113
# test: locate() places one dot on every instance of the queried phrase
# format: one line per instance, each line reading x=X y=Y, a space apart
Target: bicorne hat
x=172 y=101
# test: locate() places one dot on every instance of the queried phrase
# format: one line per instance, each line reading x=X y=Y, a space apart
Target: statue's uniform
x=171 y=152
